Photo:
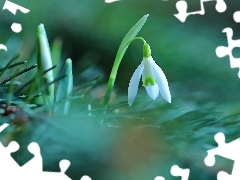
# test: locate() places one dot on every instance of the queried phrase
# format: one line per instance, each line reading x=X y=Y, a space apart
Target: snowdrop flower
x=154 y=80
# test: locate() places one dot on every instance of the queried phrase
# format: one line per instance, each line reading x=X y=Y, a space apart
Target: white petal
x=133 y=85
x=161 y=81
x=153 y=91
x=147 y=71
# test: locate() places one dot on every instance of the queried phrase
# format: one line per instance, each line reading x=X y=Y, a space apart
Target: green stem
x=113 y=73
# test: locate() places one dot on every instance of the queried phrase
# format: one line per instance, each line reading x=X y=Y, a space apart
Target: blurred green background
x=145 y=140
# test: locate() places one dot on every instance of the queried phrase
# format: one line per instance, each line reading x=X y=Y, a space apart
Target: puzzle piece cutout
x=111 y=1
x=227 y=150
x=12 y=7
x=177 y=171
x=182 y=9
x=85 y=178
x=236 y=16
x=34 y=165
x=222 y=51
x=159 y=178
x=33 y=169
x=64 y=164
x=3 y=126
x=5 y=156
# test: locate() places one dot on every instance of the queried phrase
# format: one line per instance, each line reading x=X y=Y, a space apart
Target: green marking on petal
x=149 y=81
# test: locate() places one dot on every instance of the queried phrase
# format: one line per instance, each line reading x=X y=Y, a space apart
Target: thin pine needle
x=47 y=85
x=10 y=92
x=18 y=74
x=9 y=64
x=13 y=65
x=30 y=81
x=90 y=83
x=15 y=83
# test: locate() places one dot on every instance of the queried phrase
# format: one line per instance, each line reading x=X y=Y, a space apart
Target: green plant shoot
x=129 y=37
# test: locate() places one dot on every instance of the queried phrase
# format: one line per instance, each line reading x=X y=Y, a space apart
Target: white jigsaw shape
x=85 y=178
x=35 y=164
x=64 y=164
x=3 y=126
x=182 y=9
x=12 y=7
x=7 y=163
x=177 y=171
x=236 y=16
x=111 y=1
x=227 y=150
x=2 y=46
x=159 y=178
x=33 y=169
x=222 y=51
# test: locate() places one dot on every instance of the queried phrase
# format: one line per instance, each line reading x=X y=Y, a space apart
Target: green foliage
x=129 y=37
x=56 y=55
x=64 y=90
x=44 y=62
x=111 y=143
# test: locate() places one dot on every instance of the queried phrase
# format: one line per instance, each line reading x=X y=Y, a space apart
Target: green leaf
x=64 y=90
x=34 y=85
x=56 y=54
x=44 y=62
x=132 y=33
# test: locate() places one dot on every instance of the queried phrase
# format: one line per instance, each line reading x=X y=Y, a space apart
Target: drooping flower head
x=154 y=80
